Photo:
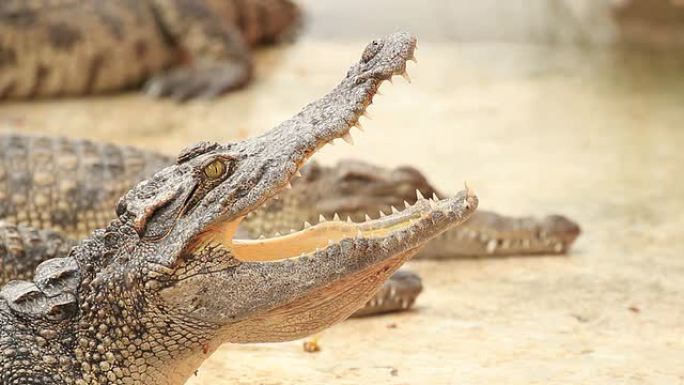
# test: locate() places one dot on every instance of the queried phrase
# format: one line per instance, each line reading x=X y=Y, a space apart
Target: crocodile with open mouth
x=182 y=48
x=68 y=188
x=148 y=298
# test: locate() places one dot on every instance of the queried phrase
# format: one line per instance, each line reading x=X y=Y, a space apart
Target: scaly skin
x=148 y=298
x=22 y=249
x=78 y=47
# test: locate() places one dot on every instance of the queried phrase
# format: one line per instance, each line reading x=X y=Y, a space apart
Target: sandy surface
x=593 y=134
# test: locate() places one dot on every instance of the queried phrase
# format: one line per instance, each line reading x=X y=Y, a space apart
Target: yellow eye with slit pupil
x=215 y=169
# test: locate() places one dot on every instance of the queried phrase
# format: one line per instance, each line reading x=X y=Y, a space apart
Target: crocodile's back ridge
x=70 y=186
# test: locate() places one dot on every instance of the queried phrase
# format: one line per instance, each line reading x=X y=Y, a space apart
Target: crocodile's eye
x=371 y=50
x=215 y=169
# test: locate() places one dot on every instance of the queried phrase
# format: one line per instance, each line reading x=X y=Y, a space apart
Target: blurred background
x=564 y=106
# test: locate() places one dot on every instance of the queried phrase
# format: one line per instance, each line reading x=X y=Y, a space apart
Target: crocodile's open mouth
x=325 y=233
x=314 y=238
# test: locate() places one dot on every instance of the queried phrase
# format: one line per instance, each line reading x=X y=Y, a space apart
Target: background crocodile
x=69 y=186
x=77 y=47
x=148 y=298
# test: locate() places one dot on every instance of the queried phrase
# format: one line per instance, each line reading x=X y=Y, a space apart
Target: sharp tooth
x=406 y=204
x=349 y=220
x=491 y=246
x=394 y=210
x=393 y=292
x=262 y=236
x=298 y=173
x=469 y=190
x=558 y=247
x=359 y=233
x=336 y=217
x=277 y=233
x=434 y=197
x=419 y=195
x=293 y=230
x=413 y=58
x=289 y=186
x=404 y=304
x=307 y=224
x=348 y=138
x=321 y=218
x=367 y=218
x=406 y=76
x=382 y=214
x=359 y=125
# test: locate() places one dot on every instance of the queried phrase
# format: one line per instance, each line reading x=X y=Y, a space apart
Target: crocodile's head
x=178 y=227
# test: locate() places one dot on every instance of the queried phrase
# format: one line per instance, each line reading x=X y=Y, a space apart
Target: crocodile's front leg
x=214 y=37
x=397 y=294
x=218 y=57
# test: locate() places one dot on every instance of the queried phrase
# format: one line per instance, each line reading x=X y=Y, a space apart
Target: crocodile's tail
x=262 y=21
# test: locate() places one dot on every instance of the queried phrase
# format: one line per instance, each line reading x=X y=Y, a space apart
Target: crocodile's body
x=146 y=299
x=70 y=186
x=78 y=47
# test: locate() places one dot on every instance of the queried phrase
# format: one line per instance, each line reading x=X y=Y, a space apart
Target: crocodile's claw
x=206 y=81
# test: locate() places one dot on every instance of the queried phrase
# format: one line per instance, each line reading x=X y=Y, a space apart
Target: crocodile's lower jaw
x=321 y=307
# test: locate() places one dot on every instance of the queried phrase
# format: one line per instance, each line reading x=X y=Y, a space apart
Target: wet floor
x=583 y=129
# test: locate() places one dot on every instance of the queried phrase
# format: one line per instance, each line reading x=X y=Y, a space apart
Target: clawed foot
x=208 y=81
x=397 y=294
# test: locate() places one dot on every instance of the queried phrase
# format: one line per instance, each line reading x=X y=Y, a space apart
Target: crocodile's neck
x=122 y=330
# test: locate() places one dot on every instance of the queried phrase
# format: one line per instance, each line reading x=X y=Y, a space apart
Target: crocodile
x=148 y=298
x=178 y=48
x=69 y=187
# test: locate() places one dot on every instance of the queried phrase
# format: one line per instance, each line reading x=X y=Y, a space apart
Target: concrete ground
x=593 y=133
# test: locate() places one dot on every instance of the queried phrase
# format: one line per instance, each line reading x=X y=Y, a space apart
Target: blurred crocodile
x=148 y=298
x=182 y=48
